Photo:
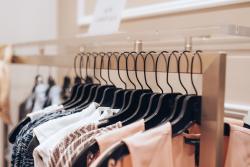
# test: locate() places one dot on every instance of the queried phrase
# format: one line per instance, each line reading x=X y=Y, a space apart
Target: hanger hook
x=116 y=55
x=136 y=59
x=173 y=53
x=101 y=64
x=110 y=54
x=81 y=64
x=87 y=63
x=119 y=58
x=136 y=76
x=75 y=61
x=156 y=67
x=102 y=54
x=128 y=54
x=179 y=66
x=94 y=70
x=145 y=60
x=192 y=65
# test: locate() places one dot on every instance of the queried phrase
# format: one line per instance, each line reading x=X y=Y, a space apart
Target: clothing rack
x=213 y=89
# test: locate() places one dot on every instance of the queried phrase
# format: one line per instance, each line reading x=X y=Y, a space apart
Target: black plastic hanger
x=126 y=93
x=75 y=87
x=121 y=149
x=165 y=104
x=93 y=88
x=135 y=95
x=145 y=98
x=156 y=96
x=109 y=92
x=132 y=104
x=179 y=99
x=81 y=159
x=191 y=108
x=84 y=94
x=100 y=92
x=121 y=95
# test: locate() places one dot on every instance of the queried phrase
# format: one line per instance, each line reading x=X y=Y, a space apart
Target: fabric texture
x=148 y=147
x=45 y=130
x=42 y=153
x=106 y=140
x=238 y=147
x=25 y=136
x=183 y=154
x=37 y=114
x=69 y=154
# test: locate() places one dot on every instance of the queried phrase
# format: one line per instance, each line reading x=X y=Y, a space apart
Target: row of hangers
x=181 y=110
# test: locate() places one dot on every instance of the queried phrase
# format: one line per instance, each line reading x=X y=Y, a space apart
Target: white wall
x=27 y=20
x=21 y=21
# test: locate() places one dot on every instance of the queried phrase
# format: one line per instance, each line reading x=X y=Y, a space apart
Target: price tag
x=107 y=17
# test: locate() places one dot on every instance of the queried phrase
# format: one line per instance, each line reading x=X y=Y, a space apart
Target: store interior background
x=32 y=20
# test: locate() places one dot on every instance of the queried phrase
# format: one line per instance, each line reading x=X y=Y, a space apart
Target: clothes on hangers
x=66 y=159
x=62 y=139
x=26 y=134
x=65 y=134
x=43 y=131
x=106 y=140
x=148 y=147
x=53 y=108
x=238 y=150
x=152 y=147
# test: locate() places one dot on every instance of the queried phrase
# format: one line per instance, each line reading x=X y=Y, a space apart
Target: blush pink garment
x=151 y=148
x=106 y=140
x=144 y=146
x=230 y=121
x=183 y=154
x=238 y=151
